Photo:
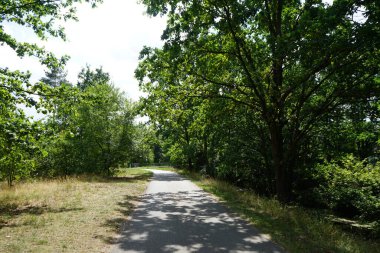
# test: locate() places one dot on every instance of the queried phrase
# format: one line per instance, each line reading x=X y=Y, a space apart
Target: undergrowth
x=297 y=229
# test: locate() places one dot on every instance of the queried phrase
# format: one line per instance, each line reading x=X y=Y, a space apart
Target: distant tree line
x=88 y=128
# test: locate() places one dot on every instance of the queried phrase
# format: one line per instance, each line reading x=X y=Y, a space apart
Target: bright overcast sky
x=110 y=35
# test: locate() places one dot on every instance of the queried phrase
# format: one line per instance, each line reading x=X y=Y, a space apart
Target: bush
x=349 y=187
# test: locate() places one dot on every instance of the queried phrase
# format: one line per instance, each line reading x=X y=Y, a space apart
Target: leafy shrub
x=16 y=165
x=349 y=187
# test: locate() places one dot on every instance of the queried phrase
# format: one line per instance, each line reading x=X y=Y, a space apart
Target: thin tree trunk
x=10 y=179
x=205 y=150
x=189 y=160
x=189 y=163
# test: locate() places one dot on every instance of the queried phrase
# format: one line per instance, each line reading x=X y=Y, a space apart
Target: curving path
x=174 y=215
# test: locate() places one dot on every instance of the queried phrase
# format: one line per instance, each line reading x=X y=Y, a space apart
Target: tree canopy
x=290 y=64
x=281 y=97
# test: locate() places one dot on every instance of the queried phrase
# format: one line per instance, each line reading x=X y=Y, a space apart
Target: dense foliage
x=272 y=95
x=92 y=132
x=281 y=97
x=88 y=127
x=350 y=187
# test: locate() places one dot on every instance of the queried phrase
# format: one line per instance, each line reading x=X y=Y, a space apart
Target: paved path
x=175 y=215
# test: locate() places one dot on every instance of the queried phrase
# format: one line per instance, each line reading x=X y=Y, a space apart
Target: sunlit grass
x=297 y=229
x=165 y=168
x=81 y=214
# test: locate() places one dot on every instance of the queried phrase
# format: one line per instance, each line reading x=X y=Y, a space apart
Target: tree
x=88 y=77
x=290 y=62
x=104 y=129
x=18 y=138
x=93 y=132
x=55 y=77
x=40 y=16
x=17 y=131
x=143 y=144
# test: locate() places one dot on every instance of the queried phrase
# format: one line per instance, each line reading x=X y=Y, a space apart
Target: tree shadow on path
x=188 y=221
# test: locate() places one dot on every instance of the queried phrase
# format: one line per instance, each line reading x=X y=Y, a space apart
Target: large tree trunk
x=281 y=165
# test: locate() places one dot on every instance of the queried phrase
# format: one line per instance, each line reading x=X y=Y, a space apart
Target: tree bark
x=205 y=150
x=280 y=165
x=189 y=160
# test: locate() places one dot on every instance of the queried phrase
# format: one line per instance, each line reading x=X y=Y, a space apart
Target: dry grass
x=74 y=215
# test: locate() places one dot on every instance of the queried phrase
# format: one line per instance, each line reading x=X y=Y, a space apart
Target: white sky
x=110 y=35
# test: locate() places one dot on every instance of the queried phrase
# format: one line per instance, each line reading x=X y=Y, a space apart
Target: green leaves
x=18 y=134
x=286 y=64
x=92 y=126
x=350 y=187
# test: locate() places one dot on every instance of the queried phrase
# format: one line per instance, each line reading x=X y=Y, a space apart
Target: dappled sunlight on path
x=176 y=216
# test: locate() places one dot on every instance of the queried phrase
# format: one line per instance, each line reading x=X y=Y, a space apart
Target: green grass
x=80 y=214
x=165 y=168
x=297 y=229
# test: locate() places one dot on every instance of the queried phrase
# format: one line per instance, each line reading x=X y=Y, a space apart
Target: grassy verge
x=73 y=215
x=298 y=230
x=165 y=168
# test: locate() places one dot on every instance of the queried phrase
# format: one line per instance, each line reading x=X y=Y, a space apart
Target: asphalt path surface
x=174 y=215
